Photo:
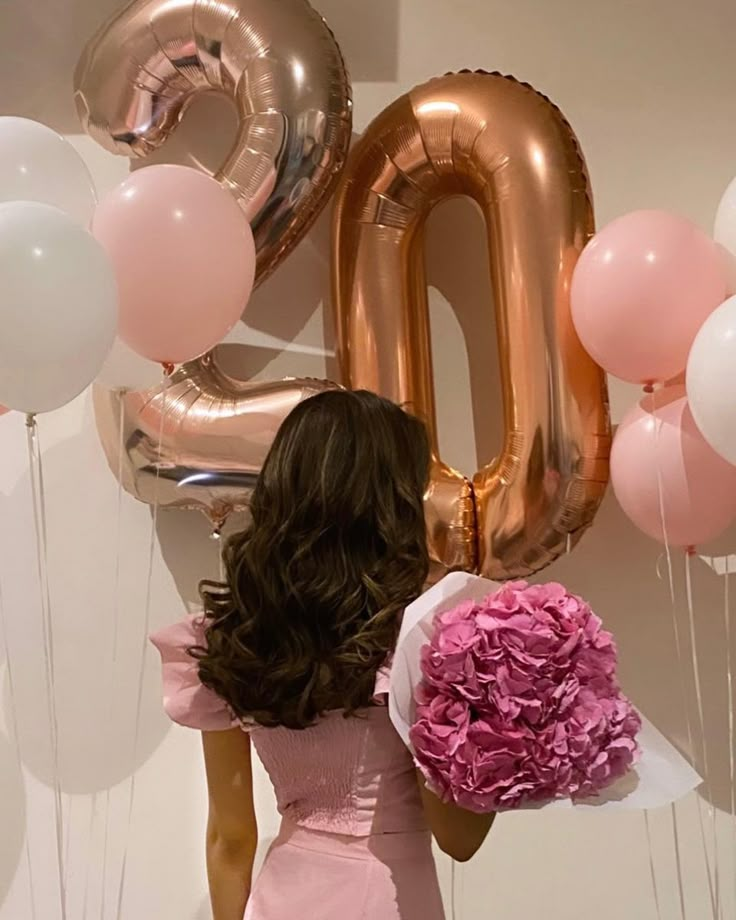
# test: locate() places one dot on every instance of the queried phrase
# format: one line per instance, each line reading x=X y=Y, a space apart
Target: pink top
x=349 y=776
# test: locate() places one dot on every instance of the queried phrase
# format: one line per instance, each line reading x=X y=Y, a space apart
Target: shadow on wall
x=96 y=706
x=43 y=41
x=285 y=303
x=202 y=140
x=368 y=34
x=189 y=551
x=12 y=816
x=456 y=253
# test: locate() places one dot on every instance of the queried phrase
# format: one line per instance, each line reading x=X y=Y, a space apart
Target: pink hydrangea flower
x=520 y=702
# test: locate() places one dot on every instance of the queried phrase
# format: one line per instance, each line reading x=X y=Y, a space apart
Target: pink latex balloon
x=641 y=290
x=658 y=447
x=184 y=258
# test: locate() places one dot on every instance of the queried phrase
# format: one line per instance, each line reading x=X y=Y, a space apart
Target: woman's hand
x=459 y=833
x=232 y=832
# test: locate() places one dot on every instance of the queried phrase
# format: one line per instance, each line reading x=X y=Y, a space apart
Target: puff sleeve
x=186 y=700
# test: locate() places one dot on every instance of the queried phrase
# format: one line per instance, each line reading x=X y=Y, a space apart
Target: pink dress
x=353 y=844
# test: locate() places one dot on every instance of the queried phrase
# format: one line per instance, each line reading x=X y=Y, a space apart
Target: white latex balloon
x=126 y=370
x=37 y=164
x=725 y=227
x=711 y=380
x=58 y=307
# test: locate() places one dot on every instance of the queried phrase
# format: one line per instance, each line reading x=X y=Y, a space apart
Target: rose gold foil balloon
x=199 y=439
x=510 y=149
x=280 y=64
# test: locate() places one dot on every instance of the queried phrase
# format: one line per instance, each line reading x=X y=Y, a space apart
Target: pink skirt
x=320 y=876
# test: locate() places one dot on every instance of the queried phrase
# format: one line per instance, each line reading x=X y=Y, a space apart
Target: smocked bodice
x=350 y=776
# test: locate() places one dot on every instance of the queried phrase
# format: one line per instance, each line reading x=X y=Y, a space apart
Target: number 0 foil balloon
x=507 y=147
x=276 y=59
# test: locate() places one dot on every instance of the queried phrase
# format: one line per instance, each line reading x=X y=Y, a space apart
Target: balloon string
x=90 y=854
x=68 y=833
x=731 y=735
x=39 y=521
x=453 y=888
x=461 y=886
x=652 y=867
x=678 y=860
x=681 y=672
x=16 y=735
x=701 y=719
x=143 y=650
x=115 y=620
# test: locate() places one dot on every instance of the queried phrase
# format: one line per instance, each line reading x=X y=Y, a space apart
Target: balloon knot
x=168 y=368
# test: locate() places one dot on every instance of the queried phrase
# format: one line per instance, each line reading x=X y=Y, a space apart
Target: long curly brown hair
x=317 y=584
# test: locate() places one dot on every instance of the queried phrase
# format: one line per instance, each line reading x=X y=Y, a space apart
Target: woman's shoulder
x=186 y=700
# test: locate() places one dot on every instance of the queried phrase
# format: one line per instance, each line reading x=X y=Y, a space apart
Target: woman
x=292 y=656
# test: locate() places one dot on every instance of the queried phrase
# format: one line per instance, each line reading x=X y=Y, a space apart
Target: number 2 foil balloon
x=200 y=441
x=276 y=59
x=280 y=64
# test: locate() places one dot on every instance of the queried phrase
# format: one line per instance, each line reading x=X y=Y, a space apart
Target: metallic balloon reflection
x=280 y=64
x=511 y=150
x=199 y=440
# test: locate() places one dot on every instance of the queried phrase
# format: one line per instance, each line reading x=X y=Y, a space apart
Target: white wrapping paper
x=662 y=774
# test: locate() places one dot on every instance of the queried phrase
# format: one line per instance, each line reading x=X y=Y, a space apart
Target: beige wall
x=650 y=89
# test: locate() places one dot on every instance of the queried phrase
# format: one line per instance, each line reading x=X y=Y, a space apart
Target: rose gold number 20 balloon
x=506 y=146
x=480 y=135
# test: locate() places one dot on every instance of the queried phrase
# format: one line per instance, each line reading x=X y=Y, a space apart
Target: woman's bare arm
x=232 y=833
x=458 y=832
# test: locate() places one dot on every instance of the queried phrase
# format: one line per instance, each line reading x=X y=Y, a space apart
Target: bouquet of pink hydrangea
x=519 y=702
